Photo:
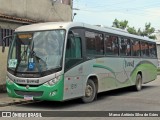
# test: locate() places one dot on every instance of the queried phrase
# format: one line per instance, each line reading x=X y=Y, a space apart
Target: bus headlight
x=9 y=80
x=53 y=81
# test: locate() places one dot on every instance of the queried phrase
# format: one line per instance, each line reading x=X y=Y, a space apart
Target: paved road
x=148 y=99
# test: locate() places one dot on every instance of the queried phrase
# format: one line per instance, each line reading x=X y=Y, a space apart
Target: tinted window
x=135 y=47
x=152 y=50
x=73 y=52
x=111 y=43
x=94 y=43
x=73 y=49
x=125 y=47
x=144 y=49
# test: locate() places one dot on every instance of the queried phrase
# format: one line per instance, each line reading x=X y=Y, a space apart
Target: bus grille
x=29 y=93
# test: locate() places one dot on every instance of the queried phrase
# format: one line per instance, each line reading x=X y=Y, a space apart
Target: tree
x=120 y=24
x=132 y=30
x=148 y=31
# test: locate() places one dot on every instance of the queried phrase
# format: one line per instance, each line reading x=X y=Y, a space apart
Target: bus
x=59 y=61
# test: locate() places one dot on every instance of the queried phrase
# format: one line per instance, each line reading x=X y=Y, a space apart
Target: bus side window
x=73 y=48
x=111 y=43
x=144 y=49
x=135 y=48
x=125 y=46
x=152 y=50
x=73 y=52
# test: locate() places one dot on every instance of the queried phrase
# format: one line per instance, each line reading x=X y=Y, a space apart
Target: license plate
x=27 y=97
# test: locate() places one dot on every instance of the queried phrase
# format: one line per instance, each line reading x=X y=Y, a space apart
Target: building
x=15 y=13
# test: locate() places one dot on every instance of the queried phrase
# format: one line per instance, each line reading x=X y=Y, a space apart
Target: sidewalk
x=5 y=100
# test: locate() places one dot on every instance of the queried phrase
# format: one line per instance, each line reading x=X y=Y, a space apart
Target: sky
x=104 y=12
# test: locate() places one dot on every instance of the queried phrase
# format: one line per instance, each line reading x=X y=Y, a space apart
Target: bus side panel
x=111 y=72
x=76 y=78
x=148 y=68
x=74 y=82
x=116 y=72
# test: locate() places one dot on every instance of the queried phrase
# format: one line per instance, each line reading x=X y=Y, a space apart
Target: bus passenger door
x=73 y=59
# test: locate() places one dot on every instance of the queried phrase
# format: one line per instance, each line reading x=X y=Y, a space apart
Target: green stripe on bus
x=46 y=89
x=144 y=65
x=105 y=67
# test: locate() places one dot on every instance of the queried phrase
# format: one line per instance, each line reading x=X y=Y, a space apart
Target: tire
x=90 y=92
x=138 y=85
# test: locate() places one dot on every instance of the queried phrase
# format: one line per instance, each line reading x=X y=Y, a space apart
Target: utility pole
x=73 y=14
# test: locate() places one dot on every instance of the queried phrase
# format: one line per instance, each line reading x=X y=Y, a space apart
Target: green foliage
x=132 y=30
x=120 y=24
x=148 y=31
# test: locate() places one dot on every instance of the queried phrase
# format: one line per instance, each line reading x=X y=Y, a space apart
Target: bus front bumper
x=41 y=92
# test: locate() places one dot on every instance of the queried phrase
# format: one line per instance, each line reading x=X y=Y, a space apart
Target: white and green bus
x=61 y=61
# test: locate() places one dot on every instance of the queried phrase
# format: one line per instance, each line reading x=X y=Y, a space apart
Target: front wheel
x=90 y=92
x=138 y=85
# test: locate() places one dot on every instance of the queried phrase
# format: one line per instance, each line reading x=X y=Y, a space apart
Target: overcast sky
x=103 y=12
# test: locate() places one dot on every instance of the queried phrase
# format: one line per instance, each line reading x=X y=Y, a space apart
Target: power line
x=90 y=3
x=108 y=5
x=140 y=10
x=122 y=8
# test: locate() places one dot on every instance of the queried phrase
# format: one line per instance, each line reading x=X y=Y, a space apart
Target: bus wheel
x=90 y=92
x=138 y=85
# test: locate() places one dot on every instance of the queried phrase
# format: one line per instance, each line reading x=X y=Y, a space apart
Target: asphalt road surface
x=148 y=99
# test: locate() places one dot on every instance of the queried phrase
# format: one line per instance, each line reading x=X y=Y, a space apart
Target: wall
x=3 y=65
x=9 y=25
x=41 y=10
x=3 y=56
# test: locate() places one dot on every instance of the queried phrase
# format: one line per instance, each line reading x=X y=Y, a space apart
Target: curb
x=3 y=104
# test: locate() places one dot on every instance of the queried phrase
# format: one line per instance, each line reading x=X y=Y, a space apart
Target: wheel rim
x=88 y=91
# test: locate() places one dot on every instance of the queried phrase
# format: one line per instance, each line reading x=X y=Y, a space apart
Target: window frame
x=134 y=40
x=101 y=47
x=105 y=40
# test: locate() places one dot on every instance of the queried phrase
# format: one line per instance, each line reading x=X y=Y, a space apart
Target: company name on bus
x=129 y=64
x=19 y=81
x=32 y=81
x=26 y=81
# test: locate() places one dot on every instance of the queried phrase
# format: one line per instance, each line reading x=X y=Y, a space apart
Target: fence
x=3 y=33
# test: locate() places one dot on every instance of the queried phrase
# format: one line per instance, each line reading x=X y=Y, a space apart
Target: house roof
x=16 y=19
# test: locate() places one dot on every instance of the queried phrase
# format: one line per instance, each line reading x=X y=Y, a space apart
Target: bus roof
x=68 y=25
x=48 y=26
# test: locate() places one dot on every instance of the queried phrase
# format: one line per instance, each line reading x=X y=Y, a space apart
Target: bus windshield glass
x=36 y=51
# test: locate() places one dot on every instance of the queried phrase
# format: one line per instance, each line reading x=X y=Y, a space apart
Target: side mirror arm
x=3 y=46
x=3 y=42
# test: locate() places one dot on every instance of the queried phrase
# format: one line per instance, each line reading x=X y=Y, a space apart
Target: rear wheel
x=90 y=92
x=138 y=85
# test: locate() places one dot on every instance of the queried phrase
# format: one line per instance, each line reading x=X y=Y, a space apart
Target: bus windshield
x=36 y=51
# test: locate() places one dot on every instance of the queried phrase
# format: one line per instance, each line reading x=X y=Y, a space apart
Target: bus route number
x=73 y=86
